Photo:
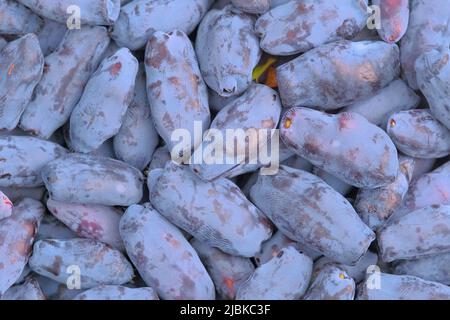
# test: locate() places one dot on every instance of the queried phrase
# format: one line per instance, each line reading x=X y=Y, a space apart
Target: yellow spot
x=10 y=69
x=261 y=69
x=287 y=123
x=392 y=123
x=341 y=276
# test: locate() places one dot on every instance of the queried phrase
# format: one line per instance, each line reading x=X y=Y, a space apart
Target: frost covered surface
x=130 y=169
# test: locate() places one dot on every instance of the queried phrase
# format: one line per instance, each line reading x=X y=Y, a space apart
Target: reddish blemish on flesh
x=7 y=202
x=345 y=121
x=397 y=29
x=10 y=69
x=394 y=3
x=89 y=229
x=115 y=69
x=170 y=239
x=229 y=283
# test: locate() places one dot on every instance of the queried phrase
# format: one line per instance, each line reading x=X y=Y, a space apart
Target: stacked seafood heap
x=100 y=200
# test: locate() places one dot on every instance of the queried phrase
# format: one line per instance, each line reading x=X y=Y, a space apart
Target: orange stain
x=229 y=283
x=115 y=69
x=271 y=80
x=10 y=69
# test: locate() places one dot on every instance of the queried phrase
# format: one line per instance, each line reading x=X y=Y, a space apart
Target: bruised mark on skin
x=267 y=124
x=87 y=228
x=115 y=68
x=187 y=284
x=443 y=193
x=441 y=229
x=229 y=283
x=345 y=121
x=55 y=268
x=170 y=239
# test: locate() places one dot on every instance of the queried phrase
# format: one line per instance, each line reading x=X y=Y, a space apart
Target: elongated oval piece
x=332 y=283
x=276 y=243
x=376 y=206
x=88 y=179
x=429 y=189
x=285 y=277
x=139 y=19
x=394 y=19
x=6 y=206
x=306 y=209
x=66 y=73
x=22 y=64
x=164 y=258
x=100 y=112
x=228 y=50
x=227 y=272
x=29 y=290
x=175 y=88
x=22 y=159
x=105 y=150
x=17 y=234
x=395 y=97
x=96 y=222
x=345 y=145
x=137 y=138
x=255 y=113
x=418 y=234
x=17 y=19
x=95 y=262
x=252 y=6
x=383 y=286
x=433 y=268
x=428 y=29
x=358 y=272
x=111 y=292
x=338 y=74
x=418 y=134
x=215 y=212
x=433 y=79
x=299 y=26
x=93 y=12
